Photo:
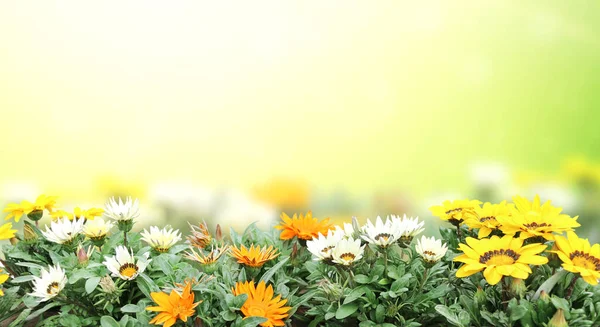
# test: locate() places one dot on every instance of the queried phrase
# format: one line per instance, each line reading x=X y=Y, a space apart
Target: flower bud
x=125 y=225
x=391 y=310
x=355 y=225
x=13 y=241
x=480 y=296
x=294 y=251
x=333 y=291
x=107 y=285
x=29 y=234
x=218 y=233
x=35 y=215
x=518 y=287
x=558 y=320
x=82 y=256
x=544 y=297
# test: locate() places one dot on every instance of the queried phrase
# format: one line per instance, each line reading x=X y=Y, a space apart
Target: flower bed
x=502 y=264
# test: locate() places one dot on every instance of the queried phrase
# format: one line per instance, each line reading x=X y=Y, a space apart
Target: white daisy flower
x=381 y=234
x=408 y=227
x=63 y=231
x=97 y=229
x=430 y=249
x=124 y=265
x=347 y=230
x=161 y=240
x=347 y=251
x=122 y=211
x=322 y=246
x=49 y=284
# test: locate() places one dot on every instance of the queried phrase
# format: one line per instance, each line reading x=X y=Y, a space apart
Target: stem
x=7 y=268
x=571 y=287
x=37 y=224
x=351 y=278
x=385 y=258
x=458 y=232
x=505 y=293
x=425 y=276
x=125 y=238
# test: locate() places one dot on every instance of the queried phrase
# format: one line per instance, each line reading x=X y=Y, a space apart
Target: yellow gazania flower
x=499 y=257
x=253 y=256
x=260 y=303
x=58 y=214
x=303 y=227
x=44 y=202
x=456 y=211
x=486 y=217
x=6 y=232
x=532 y=219
x=173 y=306
x=88 y=214
x=579 y=257
x=3 y=278
x=208 y=259
x=17 y=211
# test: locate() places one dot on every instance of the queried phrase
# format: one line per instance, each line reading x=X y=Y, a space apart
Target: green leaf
x=108 y=321
x=131 y=308
x=346 y=310
x=22 y=279
x=266 y=277
x=252 y=321
x=560 y=303
x=24 y=314
x=91 y=283
x=355 y=294
x=450 y=316
x=362 y=279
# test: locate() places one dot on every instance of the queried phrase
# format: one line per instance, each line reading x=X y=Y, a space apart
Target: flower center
x=327 y=249
x=429 y=252
x=383 y=236
x=585 y=260
x=535 y=225
x=161 y=249
x=499 y=257
x=452 y=212
x=256 y=310
x=348 y=257
x=490 y=218
x=128 y=270
x=177 y=310
x=52 y=288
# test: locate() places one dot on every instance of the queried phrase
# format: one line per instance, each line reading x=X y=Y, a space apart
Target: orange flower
x=173 y=306
x=260 y=303
x=200 y=237
x=254 y=256
x=305 y=228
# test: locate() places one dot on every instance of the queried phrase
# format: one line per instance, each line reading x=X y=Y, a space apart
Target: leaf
x=91 y=283
x=450 y=316
x=253 y=321
x=29 y=264
x=355 y=294
x=346 y=310
x=131 y=308
x=17 y=322
x=108 y=321
x=549 y=284
x=362 y=279
x=266 y=277
x=560 y=303
x=22 y=279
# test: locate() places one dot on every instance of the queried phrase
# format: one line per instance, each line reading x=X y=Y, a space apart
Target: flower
x=84 y=255
x=212 y=257
x=173 y=306
x=49 y=284
x=322 y=246
x=161 y=240
x=61 y=214
x=97 y=229
x=6 y=232
x=499 y=257
x=347 y=251
x=558 y=320
x=408 y=227
x=253 y=256
x=534 y=220
x=347 y=230
x=16 y=211
x=63 y=231
x=122 y=211
x=381 y=234
x=89 y=214
x=261 y=303
x=579 y=257
x=431 y=249
x=303 y=227
x=124 y=265
x=486 y=218
x=456 y=211
x=3 y=278
x=200 y=237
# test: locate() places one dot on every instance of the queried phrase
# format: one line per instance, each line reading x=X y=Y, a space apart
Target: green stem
x=504 y=293
x=125 y=238
x=385 y=262
x=424 y=280
x=571 y=287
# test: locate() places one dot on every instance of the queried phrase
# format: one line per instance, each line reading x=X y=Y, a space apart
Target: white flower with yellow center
x=347 y=251
x=122 y=211
x=347 y=230
x=408 y=227
x=124 y=265
x=63 y=231
x=381 y=234
x=431 y=249
x=49 y=284
x=322 y=246
x=161 y=240
x=97 y=229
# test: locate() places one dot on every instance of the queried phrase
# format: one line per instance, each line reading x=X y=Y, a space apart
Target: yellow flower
x=260 y=303
x=88 y=214
x=58 y=214
x=3 y=278
x=579 y=257
x=305 y=228
x=486 y=217
x=533 y=219
x=499 y=257
x=456 y=211
x=253 y=256
x=173 y=306
x=97 y=229
x=6 y=232
x=42 y=203
x=200 y=237
x=17 y=210
x=208 y=259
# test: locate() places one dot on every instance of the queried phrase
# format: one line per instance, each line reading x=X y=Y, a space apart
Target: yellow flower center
x=161 y=249
x=257 y=310
x=383 y=236
x=52 y=288
x=348 y=256
x=585 y=260
x=177 y=310
x=128 y=270
x=499 y=257
x=327 y=249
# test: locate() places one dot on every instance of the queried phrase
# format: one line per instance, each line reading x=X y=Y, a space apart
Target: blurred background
x=231 y=111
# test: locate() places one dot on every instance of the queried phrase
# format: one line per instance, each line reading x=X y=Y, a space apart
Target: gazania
x=381 y=234
x=124 y=265
x=322 y=246
x=347 y=230
x=3 y=278
x=63 y=231
x=347 y=251
x=261 y=303
x=408 y=227
x=16 y=211
x=430 y=249
x=57 y=214
x=97 y=229
x=303 y=227
x=161 y=240
x=486 y=218
x=253 y=256
x=200 y=237
x=173 y=306
x=212 y=257
x=49 y=284
x=6 y=232
x=499 y=257
x=122 y=211
x=456 y=211
x=534 y=220
x=89 y=214
x=579 y=257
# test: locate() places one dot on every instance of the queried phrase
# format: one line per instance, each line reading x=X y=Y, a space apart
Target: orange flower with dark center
x=173 y=306
x=261 y=303
x=254 y=256
x=303 y=227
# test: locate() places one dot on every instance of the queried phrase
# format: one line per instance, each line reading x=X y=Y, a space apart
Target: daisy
x=6 y=231
x=254 y=256
x=322 y=246
x=97 y=229
x=456 y=211
x=63 y=231
x=124 y=265
x=431 y=249
x=579 y=257
x=49 y=284
x=122 y=211
x=262 y=303
x=381 y=234
x=347 y=251
x=161 y=240
x=302 y=227
x=200 y=237
x=486 y=219
x=408 y=227
x=173 y=306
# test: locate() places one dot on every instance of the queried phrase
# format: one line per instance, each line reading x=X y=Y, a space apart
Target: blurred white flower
x=122 y=211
